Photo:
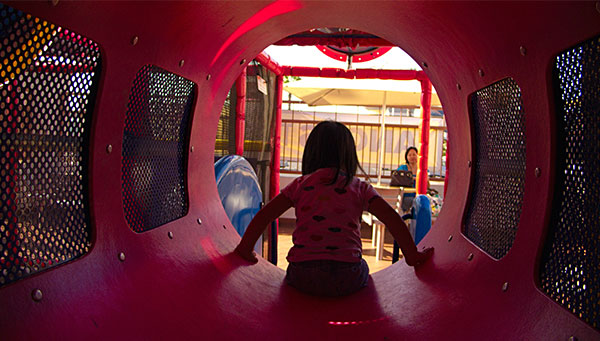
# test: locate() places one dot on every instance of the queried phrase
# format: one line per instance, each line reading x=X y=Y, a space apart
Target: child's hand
x=422 y=257
x=248 y=255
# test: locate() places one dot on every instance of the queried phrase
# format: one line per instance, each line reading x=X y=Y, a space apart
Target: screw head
x=207 y=77
x=458 y=87
x=481 y=73
x=523 y=50
x=470 y=257
x=470 y=163
x=199 y=221
x=572 y=338
x=224 y=227
x=192 y=149
x=181 y=62
x=37 y=295
x=505 y=286
x=425 y=65
x=538 y=172
x=134 y=40
x=450 y=239
x=109 y=149
x=242 y=62
x=121 y=256
x=170 y=234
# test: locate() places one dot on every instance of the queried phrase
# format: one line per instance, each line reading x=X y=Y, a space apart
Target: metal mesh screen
x=495 y=207
x=154 y=148
x=49 y=81
x=225 y=142
x=570 y=263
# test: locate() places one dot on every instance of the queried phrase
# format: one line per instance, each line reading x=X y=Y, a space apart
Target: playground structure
x=516 y=244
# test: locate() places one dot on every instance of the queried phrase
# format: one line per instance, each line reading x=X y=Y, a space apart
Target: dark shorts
x=328 y=277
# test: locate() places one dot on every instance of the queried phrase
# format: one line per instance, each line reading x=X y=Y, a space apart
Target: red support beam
x=422 y=177
x=240 y=113
x=275 y=160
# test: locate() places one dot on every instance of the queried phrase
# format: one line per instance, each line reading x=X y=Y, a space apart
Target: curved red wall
x=191 y=286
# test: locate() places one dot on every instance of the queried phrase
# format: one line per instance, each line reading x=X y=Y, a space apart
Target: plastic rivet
x=450 y=239
x=170 y=234
x=207 y=77
x=538 y=172
x=505 y=286
x=481 y=73
x=225 y=227
x=470 y=258
x=523 y=50
x=37 y=295
x=181 y=62
x=199 y=221
x=134 y=40
x=242 y=61
x=192 y=149
x=470 y=163
x=109 y=148
x=121 y=256
x=458 y=87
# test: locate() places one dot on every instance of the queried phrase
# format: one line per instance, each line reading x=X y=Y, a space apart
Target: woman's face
x=412 y=156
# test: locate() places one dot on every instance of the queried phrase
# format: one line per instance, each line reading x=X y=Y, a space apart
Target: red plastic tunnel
x=180 y=280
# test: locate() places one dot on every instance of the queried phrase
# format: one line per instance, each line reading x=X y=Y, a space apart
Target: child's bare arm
x=261 y=220
x=394 y=223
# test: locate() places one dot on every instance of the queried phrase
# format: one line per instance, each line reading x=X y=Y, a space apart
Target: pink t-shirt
x=327 y=216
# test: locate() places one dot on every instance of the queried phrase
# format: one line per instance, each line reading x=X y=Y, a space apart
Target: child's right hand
x=421 y=257
x=248 y=255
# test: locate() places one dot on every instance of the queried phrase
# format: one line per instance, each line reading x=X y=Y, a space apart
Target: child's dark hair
x=330 y=144
x=407 y=151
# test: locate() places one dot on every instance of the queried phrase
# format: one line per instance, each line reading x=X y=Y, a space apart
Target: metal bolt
x=54 y=2
x=470 y=163
x=458 y=87
x=170 y=234
x=207 y=77
x=523 y=50
x=37 y=295
x=109 y=149
x=181 y=62
x=450 y=239
x=122 y=257
x=225 y=227
x=538 y=172
x=481 y=74
x=505 y=286
x=192 y=149
x=199 y=221
x=425 y=65
x=242 y=62
x=470 y=258
x=134 y=40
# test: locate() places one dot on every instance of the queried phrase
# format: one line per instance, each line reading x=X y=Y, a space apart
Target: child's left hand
x=248 y=255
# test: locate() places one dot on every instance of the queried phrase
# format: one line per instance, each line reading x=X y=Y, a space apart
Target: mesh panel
x=225 y=142
x=495 y=207
x=571 y=259
x=49 y=80
x=154 y=148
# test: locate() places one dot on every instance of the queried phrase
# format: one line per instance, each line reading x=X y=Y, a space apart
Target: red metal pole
x=447 y=167
x=240 y=113
x=275 y=159
x=422 y=178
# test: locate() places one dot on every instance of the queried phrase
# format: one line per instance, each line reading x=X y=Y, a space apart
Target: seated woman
x=412 y=157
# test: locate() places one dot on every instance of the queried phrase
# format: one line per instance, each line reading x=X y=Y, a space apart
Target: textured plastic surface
x=239 y=191
x=421 y=223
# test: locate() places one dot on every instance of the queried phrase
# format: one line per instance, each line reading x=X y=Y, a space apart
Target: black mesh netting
x=495 y=207
x=49 y=77
x=259 y=122
x=154 y=148
x=571 y=259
